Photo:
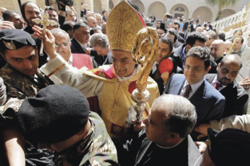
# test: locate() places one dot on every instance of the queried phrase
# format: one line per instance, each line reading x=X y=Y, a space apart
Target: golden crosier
x=145 y=51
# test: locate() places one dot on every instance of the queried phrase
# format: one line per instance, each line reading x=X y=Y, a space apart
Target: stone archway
x=180 y=10
x=97 y=6
x=204 y=13
x=226 y=13
x=139 y=4
x=158 y=9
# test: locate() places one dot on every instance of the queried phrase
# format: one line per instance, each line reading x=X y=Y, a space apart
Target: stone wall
x=13 y=4
x=192 y=8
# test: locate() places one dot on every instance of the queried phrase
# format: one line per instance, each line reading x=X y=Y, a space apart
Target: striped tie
x=187 y=91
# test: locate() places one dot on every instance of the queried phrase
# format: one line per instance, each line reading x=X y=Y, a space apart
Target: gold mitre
x=122 y=26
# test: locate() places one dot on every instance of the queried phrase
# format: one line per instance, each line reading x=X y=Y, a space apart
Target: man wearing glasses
x=209 y=103
x=62 y=46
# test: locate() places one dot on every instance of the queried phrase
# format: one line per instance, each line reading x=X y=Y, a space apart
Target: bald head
x=90 y=14
x=92 y=23
x=217 y=49
x=232 y=59
x=228 y=69
x=199 y=29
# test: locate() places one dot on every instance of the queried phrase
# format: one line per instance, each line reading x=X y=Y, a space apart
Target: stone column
x=91 y=4
x=16 y=6
x=105 y=4
x=77 y=7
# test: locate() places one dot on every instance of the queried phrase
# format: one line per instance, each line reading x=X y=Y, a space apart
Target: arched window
x=179 y=12
x=179 y=9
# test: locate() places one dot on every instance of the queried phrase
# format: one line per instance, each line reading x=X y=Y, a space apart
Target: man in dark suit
x=80 y=38
x=165 y=138
x=208 y=101
x=176 y=26
x=101 y=53
x=225 y=83
x=193 y=39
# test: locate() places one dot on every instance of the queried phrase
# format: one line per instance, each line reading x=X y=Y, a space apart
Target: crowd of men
x=66 y=91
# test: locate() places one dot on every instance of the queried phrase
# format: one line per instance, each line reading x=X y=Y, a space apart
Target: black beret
x=229 y=147
x=12 y=39
x=55 y=114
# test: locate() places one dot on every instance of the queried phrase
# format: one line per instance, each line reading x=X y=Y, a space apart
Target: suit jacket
x=138 y=150
x=219 y=60
x=101 y=60
x=76 y=47
x=209 y=103
x=236 y=97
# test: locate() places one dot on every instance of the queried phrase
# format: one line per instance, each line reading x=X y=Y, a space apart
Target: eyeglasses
x=64 y=45
x=194 y=68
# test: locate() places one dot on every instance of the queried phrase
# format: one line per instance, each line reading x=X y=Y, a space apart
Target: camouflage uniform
x=96 y=149
x=22 y=86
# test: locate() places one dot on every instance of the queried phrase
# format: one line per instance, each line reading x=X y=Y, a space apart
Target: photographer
x=167 y=18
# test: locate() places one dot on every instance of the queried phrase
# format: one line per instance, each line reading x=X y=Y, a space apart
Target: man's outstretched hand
x=48 y=41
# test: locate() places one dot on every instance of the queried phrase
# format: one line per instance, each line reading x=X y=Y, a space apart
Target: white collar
x=169 y=147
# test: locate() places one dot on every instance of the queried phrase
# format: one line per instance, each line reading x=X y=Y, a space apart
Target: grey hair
x=60 y=32
x=99 y=39
x=212 y=33
x=180 y=114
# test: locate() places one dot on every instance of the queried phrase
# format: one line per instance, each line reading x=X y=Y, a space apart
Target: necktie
x=187 y=91
x=217 y=85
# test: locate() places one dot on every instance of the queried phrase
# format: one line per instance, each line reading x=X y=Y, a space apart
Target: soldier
x=21 y=74
x=22 y=79
x=229 y=147
x=77 y=136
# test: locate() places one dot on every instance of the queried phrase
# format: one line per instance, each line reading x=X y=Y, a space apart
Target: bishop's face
x=123 y=63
